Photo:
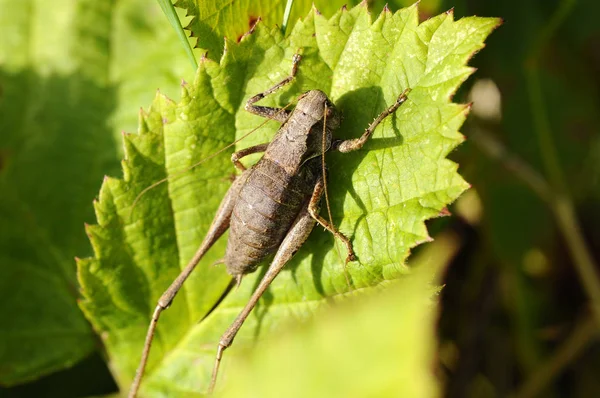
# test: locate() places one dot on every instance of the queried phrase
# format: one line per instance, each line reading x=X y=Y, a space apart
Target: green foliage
x=213 y=20
x=63 y=98
x=73 y=72
x=380 y=196
x=391 y=330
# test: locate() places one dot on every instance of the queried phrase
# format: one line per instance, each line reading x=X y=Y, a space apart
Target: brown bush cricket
x=272 y=207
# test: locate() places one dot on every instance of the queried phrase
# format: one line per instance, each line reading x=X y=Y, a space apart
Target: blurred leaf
x=66 y=71
x=89 y=377
x=380 y=196
x=393 y=331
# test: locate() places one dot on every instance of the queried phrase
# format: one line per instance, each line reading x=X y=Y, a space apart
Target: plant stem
x=584 y=332
x=496 y=150
x=286 y=15
x=547 y=33
x=538 y=110
x=561 y=202
x=556 y=194
x=584 y=263
x=171 y=15
x=560 y=205
x=541 y=126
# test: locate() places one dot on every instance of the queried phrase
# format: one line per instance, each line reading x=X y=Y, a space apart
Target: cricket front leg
x=357 y=143
x=292 y=242
x=219 y=225
x=279 y=114
x=236 y=156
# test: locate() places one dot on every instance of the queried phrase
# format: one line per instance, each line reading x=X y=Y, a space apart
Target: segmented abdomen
x=265 y=209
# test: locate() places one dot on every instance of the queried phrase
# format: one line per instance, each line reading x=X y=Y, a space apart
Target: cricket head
x=315 y=104
x=323 y=117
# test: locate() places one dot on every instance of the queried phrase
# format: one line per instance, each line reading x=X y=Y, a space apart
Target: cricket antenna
x=324 y=172
x=179 y=173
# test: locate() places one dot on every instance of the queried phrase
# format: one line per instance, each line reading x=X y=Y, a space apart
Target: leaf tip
x=142 y=125
x=253 y=23
x=426 y=239
x=444 y=212
x=185 y=94
x=467 y=108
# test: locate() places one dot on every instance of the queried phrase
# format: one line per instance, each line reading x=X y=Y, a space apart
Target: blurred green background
x=517 y=312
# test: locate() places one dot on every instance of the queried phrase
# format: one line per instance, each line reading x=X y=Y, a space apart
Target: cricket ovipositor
x=271 y=207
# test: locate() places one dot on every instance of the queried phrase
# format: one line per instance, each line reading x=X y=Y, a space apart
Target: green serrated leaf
x=380 y=196
x=214 y=20
x=232 y=19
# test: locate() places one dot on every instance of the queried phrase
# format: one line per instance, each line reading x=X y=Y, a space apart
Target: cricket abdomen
x=265 y=209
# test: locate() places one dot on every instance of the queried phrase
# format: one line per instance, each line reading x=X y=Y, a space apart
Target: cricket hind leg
x=279 y=114
x=292 y=242
x=357 y=143
x=219 y=225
